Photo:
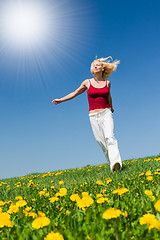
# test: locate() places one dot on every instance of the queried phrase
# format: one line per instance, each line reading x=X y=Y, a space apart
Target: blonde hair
x=107 y=65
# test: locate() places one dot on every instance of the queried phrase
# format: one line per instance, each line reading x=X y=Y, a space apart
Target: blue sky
x=38 y=136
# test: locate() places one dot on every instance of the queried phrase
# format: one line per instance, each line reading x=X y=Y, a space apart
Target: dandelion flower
x=125 y=214
x=99 y=182
x=150 y=220
x=41 y=193
x=68 y=212
x=41 y=214
x=18 y=198
x=5 y=220
x=86 y=201
x=74 y=197
x=21 y=203
x=32 y=214
x=148 y=173
x=61 y=182
x=157 y=205
x=54 y=236
x=99 y=195
x=149 y=178
x=148 y=192
x=108 y=180
x=53 y=199
x=141 y=174
x=2 y=203
x=85 y=194
x=40 y=222
x=28 y=209
x=13 y=209
x=111 y=213
x=102 y=200
x=120 y=191
x=62 y=192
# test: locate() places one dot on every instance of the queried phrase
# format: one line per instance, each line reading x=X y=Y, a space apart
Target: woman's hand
x=56 y=101
x=112 y=110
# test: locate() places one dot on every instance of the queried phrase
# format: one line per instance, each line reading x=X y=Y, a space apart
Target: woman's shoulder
x=108 y=83
x=86 y=82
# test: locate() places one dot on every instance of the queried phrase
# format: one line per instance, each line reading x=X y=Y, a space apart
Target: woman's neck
x=98 y=77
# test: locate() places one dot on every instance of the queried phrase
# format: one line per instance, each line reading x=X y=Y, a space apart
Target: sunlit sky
x=52 y=57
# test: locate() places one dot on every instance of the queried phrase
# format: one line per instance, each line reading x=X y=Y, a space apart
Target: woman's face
x=97 y=66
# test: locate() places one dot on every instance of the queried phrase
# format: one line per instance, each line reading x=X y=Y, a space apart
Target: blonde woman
x=100 y=108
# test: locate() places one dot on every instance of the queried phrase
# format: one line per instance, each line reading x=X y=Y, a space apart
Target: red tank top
x=98 y=97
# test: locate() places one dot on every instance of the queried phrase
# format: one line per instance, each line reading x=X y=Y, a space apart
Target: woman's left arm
x=109 y=97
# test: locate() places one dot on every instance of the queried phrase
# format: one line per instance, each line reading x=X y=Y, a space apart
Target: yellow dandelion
x=41 y=193
x=28 y=209
x=32 y=214
x=111 y=213
x=157 y=205
x=62 y=192
x=102 y=200
x=18 y=198
x=61 y=182
x=74 y=197
x=99 y=195
x=148 y=173
x=5 y=220
x=99 y=182
x=141 y=174
x=21 y=203
x=108 y=180
x=53 y=199
x=54 y=236
x=85 y=194
x=86 y=201
x=2 y=203
x=149 y=178
x=52 y=187
x=40 y=222
x=47 y=194
x=153 y=198
x=68 y=212
x=41 y=214
x=150 y=220
x=125 y=214
x=13 y=209
x=148 y=192
x=120 y=191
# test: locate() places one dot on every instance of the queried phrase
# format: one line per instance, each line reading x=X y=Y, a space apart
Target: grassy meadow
x=84 y=203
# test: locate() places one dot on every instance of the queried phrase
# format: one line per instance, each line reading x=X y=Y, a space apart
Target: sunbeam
x=37 y=33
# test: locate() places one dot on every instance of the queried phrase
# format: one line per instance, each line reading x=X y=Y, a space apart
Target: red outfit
x=98 y=97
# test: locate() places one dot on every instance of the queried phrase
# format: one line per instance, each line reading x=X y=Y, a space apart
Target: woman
x=100 y=108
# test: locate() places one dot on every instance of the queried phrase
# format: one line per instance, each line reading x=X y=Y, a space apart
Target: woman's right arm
x=78 y=91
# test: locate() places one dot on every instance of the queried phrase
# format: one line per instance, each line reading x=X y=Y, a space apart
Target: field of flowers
x=84 y=203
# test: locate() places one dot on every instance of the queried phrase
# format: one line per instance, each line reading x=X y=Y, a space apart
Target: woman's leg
x=111 y=142
x=98 y=133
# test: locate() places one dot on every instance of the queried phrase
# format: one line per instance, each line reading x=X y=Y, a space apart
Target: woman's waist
x=99 y=111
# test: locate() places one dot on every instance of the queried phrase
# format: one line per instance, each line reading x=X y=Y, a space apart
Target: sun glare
x=24 y=25
x=36 y=36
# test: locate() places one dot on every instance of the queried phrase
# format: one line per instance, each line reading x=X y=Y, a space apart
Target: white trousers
x=103 y=130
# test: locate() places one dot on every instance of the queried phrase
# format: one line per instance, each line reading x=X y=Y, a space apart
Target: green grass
x=68 y=218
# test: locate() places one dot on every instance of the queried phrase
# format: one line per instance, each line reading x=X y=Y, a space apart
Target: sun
x=24 y=25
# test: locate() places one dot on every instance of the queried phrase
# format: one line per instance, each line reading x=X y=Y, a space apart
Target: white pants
x=103 y=130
